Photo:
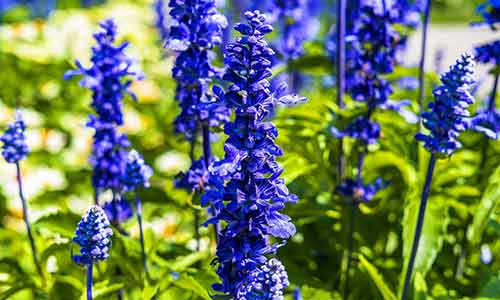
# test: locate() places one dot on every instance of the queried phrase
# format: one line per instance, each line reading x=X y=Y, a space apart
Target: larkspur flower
x=448 y=115
x=196 y=30
x=14 y=146
x=93 y=236
x=250 y=192
x=109 y=78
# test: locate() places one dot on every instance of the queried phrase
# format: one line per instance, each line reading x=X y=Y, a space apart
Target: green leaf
x=492 y=288
x=377 y=279
x=420 y=287
x=19 y=286
x=189 y=283
x=182 y=263
x=60 y=222
x=103 y=289
x=314 y=293
x=433 y=233
x=486 y=207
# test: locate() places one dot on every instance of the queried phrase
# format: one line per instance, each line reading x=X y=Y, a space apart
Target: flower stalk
x=341 y=70
x=27 y=222
x=90 y=269
x=418 y=228
x=421 y=74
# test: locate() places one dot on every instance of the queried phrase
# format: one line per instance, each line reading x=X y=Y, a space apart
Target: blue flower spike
x=445 y=120
x=246 y=189
x=93 y=235
x=14 y=150
x=109 y=78
x=137 y=174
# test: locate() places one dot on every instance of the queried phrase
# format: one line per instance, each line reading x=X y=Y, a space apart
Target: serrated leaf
x=489 y=201
x=377 y=278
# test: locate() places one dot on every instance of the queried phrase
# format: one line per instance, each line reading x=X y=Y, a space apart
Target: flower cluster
x=448 y=115
x=137 y=172
x=359 y=192
x=490 y=10
x=160 y=22
x=371 y=53
x=489 y=53
x=265 y=283
x=297 y=26
x=197 y=28
x=250 y=193
x=14 y=146
x=108 y=79
x=93 y=236
x=118 y=210
x=196 y=178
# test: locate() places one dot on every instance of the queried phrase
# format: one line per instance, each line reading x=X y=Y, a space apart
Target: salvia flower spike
x=448 y=116
x=446 y=119
x=137 y=174
x=490 y=10
x=109 y=78
x=247 y=191
x=93 y=235
x=489 y=54
x=196 y=30
x=15 y=149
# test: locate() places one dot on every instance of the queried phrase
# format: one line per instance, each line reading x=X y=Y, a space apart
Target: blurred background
x=39 y=41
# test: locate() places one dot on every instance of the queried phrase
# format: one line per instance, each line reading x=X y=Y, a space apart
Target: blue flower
x=14 y=146
x=448 y=116
x=118 y=211
x=361 y=128
x=248 y=192
x=297 y=294
x=196 y=30
x=109 y=79
x=108 y=157
x=137 y=172
x=490 y=10
x=93 y=236
x=265 y=283
x=359 y=192
x=488 y=53
x=109 y=76
x=196 y=178
x=297 y=26
x=160 y=21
